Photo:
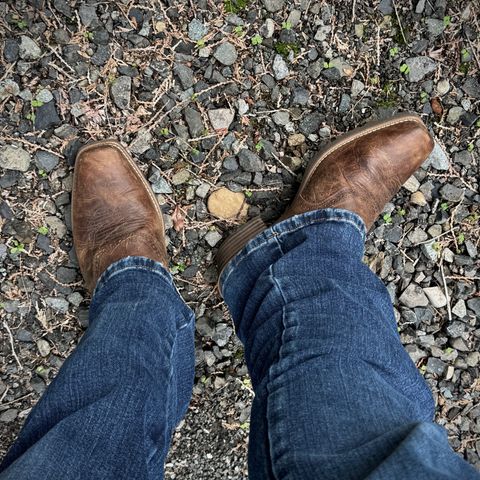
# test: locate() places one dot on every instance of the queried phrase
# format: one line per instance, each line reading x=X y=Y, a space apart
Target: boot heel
x=235 y=242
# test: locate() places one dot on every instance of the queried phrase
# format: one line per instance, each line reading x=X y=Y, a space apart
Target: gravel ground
x=234 y=97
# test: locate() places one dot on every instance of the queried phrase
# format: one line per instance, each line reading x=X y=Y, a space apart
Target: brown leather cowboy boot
x=360 y=171
x=114 y=212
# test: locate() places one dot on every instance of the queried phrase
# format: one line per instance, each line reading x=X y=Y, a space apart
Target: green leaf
x=387 y=218
x=238 y=30
x=444 y=206
x=17 y=247
x=259 y=146
x=461 y=238
x=404 y=68
x=234 y=6
x=284 y=48
x=245 y=426
x=287 y=25
x=447 y=20
x=37 y=103
x=42 y=230
x=248 y=193
x=179 y=267
x=257 y=39
x=394 y=51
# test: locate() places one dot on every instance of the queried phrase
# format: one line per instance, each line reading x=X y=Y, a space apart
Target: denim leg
x=337 y=396
x=110 y=412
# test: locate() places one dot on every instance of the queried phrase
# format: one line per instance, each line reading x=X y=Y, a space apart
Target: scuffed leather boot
x=360 y=172
x=114 y=212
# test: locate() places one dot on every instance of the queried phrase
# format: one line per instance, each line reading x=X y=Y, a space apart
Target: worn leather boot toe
x=114 y=212
x=360 y=172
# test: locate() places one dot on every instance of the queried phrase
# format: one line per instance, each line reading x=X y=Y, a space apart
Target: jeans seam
x=279 y=245
x=113 y=273
x=279 y=356
x=276 y=235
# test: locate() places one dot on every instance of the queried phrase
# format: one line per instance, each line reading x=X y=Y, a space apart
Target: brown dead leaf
x=178 y=217
x=437 y=106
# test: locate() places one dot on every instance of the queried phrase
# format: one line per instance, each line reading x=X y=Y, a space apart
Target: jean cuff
x=293 y=224
x=136 y=264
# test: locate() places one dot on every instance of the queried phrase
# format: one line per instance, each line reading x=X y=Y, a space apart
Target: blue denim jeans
x=336 y=395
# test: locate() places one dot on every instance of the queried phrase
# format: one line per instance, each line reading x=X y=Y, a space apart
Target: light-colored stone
x=413 y=296
x=418 y=198
x=438 y=159
x=44 y=95
x=181 y=177
x=436 y=296
x=8 y=88
x=14 y=158
x=223 y=203
x=448 y=255
x=243 y=106
x=435 y=230
x=454 y=115
x=412 y=184
x=443 y=87
x=273 y=5
x=28 y=49
x=8 y=415
x=296 y=139
x=43 y=347
x=294 y=17
x=322 y=33
x=419 y=68
x=213 y=237
x=121 y=91
x=280 y=68
x=430 y=251
x=226 y=54
x=281 y=118
x=417 y=236
x=357 y=87
x=142 y=142
x=221 y=118
x=56 y=226
x=58 y=304
x=202 y=190
x=460 y=309
x=268 y=28
x=473 y=358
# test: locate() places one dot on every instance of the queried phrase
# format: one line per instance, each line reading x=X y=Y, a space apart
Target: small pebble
x=412 y=184
x=43 y=347
x=418 y=198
